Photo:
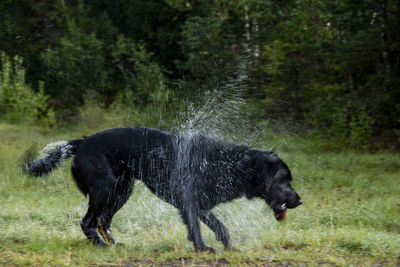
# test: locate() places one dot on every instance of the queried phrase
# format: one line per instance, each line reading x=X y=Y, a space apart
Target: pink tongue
x=280 y=216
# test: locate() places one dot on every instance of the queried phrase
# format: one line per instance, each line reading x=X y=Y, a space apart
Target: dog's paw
x=230 y=247
x=99 y=243
x=189 y=237
x=206 y=249
x=210 y=250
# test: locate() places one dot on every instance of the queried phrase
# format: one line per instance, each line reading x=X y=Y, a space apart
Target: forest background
x=323 y=68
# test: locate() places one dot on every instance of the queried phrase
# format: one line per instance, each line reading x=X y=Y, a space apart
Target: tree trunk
x=45 y=21
x=384 y=38
x=314 y=18
x=247 y=27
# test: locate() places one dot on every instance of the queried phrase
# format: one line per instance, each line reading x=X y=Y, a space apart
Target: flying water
x=221 y=114
x=223 y=117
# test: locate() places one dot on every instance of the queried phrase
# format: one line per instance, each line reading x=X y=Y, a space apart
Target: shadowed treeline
x=329 y=68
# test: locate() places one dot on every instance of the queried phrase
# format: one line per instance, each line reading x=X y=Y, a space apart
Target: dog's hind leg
x=89 y=225
x=122 y=190
x=104 y=222
x=106 y=217
x=221 y=233
x=89 y=222
x=95 y=177
x=101 y=209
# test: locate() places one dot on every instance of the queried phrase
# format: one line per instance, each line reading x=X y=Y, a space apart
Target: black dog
x=193 y=173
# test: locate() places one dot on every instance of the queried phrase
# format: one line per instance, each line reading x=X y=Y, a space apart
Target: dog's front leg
x=221 y=233
x=189 y=215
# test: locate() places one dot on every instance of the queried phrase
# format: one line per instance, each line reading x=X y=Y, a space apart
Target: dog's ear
x=261 y=164
x=271 y=157
x=244 y=161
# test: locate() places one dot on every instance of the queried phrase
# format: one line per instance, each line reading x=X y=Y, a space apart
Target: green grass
x=350 y=216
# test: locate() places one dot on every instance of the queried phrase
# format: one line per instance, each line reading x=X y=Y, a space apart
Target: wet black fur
x=193 y=173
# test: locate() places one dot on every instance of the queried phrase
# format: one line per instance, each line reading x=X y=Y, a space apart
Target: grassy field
x=350 y=215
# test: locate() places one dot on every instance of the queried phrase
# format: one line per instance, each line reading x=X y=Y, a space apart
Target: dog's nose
x=299 y=202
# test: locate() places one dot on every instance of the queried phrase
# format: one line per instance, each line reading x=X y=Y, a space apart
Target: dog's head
x=273 y=183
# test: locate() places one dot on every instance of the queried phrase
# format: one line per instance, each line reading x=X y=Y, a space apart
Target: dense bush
x=18 y=102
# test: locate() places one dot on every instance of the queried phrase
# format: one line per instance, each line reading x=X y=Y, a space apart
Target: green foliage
x=338 y=116
x=322 y=71
x=143 y=80
x=76 y=64
x=361 y=127
x=18 y=102
x=206 y=47
x=144 y=97
x=329 y=67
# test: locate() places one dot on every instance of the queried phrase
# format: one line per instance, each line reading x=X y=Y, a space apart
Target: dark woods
x=330 y=66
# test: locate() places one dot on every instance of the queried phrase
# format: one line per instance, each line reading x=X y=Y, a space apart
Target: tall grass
x=350 y=215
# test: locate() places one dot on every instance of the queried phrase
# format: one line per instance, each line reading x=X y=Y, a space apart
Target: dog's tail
x=53 y=155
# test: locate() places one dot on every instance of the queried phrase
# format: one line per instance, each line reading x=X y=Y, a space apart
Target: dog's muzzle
x=280 y=209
